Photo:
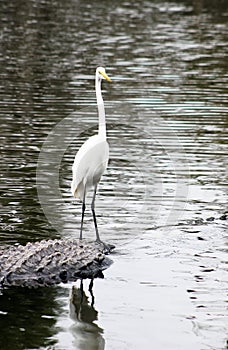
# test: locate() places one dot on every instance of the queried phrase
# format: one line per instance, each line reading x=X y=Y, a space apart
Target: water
x=167 y=129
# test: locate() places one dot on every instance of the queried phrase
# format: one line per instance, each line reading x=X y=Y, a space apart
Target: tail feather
x=77 y=190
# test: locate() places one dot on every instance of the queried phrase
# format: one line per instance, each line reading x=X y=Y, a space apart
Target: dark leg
x=81 y=285
x=91 y=292
x=94 y=215
x=91 y=285
x=107 y=248
x=83 y=212
x=81 y=290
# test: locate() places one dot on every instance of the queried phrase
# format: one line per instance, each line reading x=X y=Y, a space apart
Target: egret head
x=100 y=72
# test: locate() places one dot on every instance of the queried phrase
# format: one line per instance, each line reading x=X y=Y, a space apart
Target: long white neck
x=101 y=110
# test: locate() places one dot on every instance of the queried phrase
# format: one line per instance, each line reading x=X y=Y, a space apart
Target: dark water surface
x=167 y=129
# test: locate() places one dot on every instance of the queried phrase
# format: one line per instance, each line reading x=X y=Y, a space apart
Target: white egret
x=92 y=158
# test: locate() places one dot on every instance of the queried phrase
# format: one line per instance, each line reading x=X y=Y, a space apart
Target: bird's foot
x=106 y=247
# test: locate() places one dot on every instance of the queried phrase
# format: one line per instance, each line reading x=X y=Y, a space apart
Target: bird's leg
x=83 y=212
x=94 y=215
x=91 y=285
x=81 y=290
x=106 y=247
x=91 y=292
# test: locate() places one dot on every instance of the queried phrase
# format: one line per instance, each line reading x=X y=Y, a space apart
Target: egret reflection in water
x=87 y=334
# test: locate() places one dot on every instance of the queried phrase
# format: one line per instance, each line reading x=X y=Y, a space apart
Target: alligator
x=50 y=262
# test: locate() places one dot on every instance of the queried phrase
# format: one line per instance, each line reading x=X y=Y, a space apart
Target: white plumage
x=91 y=159
x=89 y=165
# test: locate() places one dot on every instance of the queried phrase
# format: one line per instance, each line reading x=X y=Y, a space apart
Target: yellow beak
x=105 y=76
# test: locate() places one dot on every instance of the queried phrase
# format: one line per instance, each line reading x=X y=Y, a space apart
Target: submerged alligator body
x=51 y=262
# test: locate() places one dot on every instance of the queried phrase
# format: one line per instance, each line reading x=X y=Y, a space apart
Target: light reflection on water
x=166 y=118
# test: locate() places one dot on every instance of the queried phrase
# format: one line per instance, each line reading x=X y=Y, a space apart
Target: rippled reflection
x=28 y=317
x=166 y=120
x=87 y=334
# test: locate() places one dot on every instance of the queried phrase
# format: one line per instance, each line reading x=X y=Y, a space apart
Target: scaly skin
x=51 y=262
